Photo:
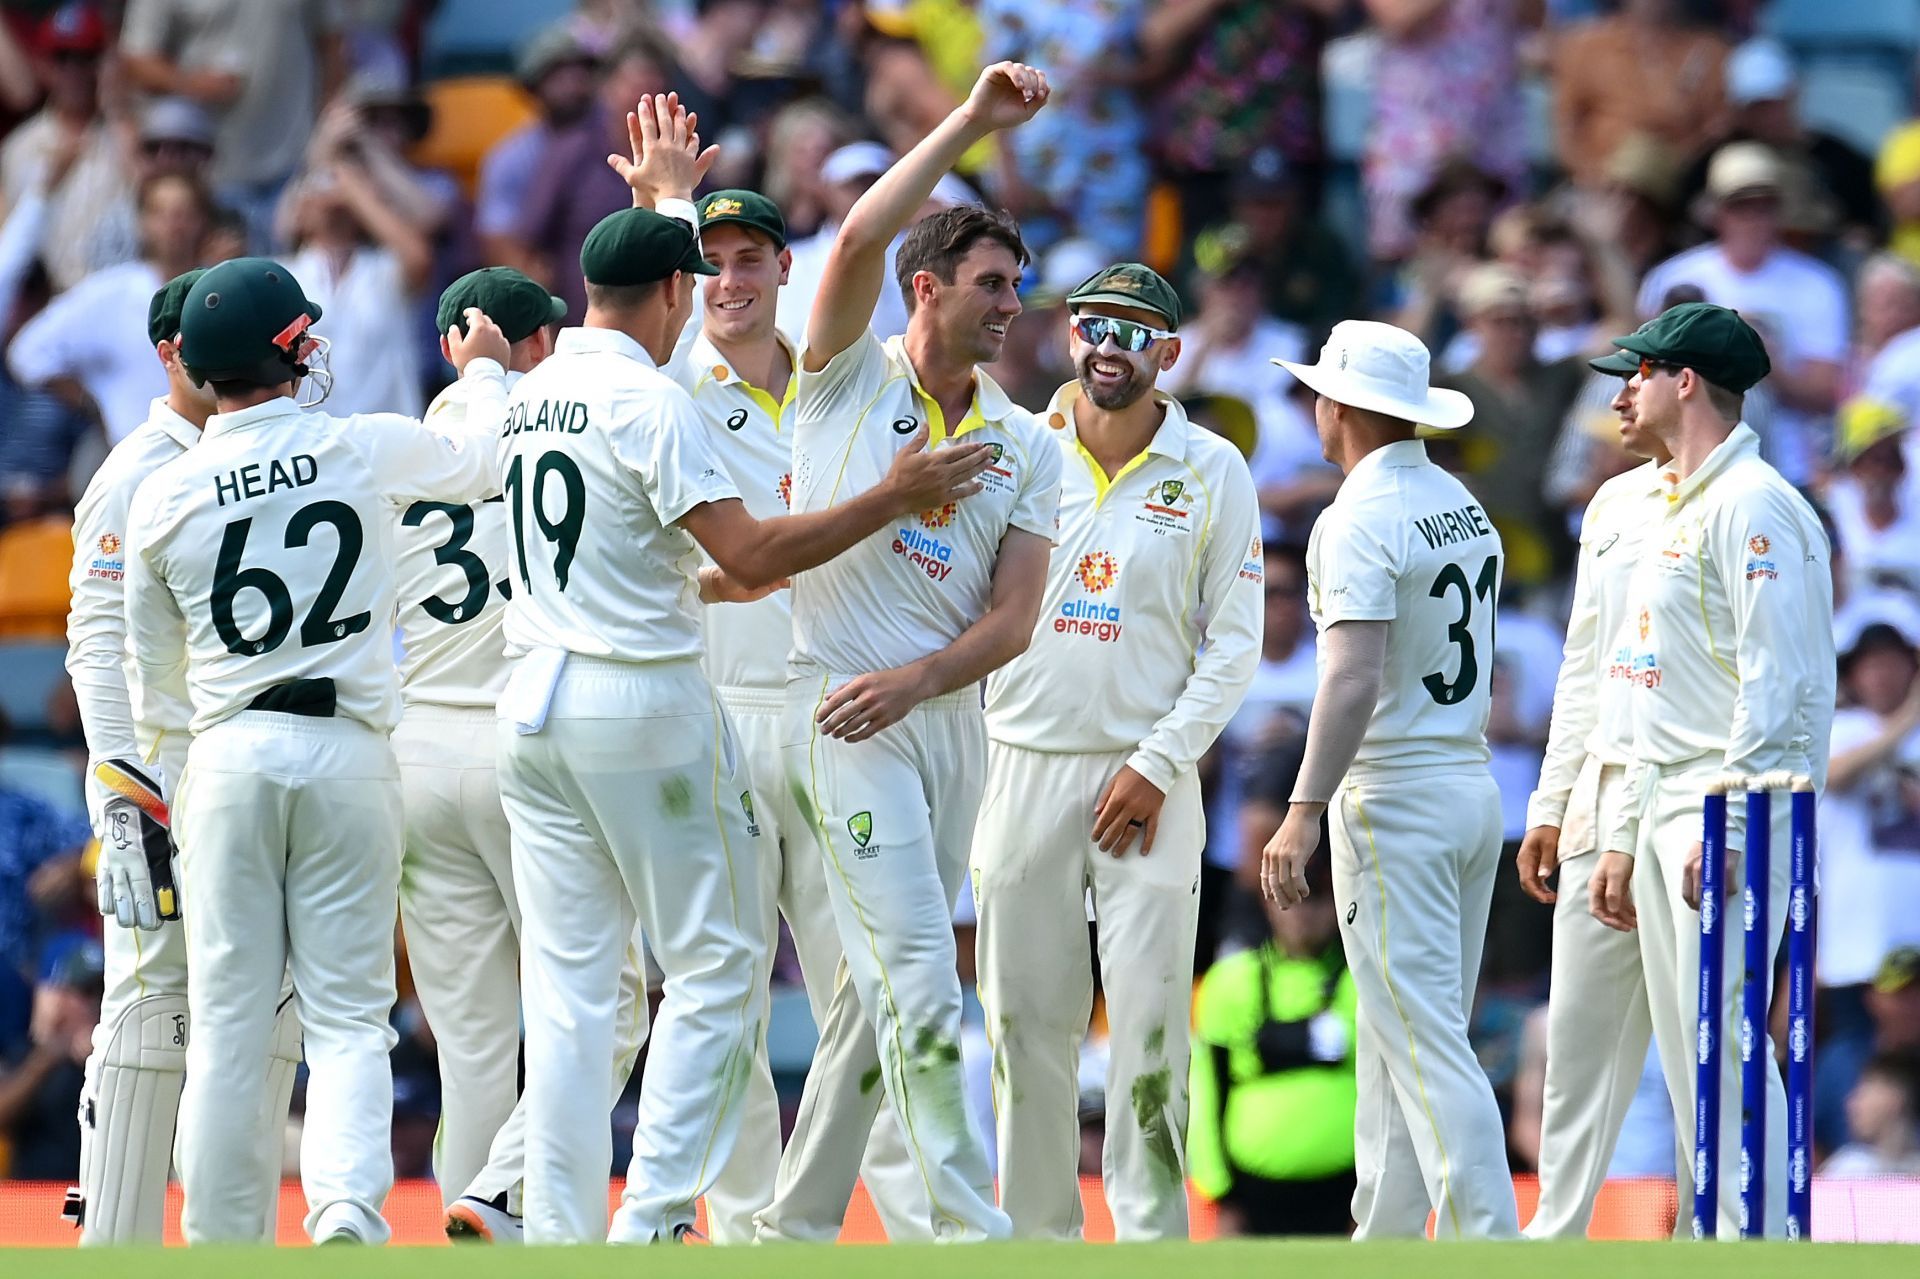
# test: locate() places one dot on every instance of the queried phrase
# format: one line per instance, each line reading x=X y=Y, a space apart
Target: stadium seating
x=31 y=670
x=481 y=37
x=44 y=774
x=1859 y=102
x=470 y=114
x=1892 y=25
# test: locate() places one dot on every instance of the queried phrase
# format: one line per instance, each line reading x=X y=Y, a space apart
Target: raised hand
x=922 y=479
x=1007 y=95
x=667 y=161
x=482 y=340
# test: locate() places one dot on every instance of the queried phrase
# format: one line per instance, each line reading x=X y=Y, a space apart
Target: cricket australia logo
x=746 y=806
x=724 y=207
x=860 y=826
x=1168 y=507
x=998 y=477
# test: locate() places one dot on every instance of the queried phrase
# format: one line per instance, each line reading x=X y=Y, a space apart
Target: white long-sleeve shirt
x=96 y=333
x=1150 y=630
x=97 y=620
x=265 y=554
x=1728 y=636
x=1592 y=714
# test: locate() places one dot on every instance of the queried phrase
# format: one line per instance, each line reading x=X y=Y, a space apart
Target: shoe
x=471 y=1219
x=686 y=1234
x=338 y=1224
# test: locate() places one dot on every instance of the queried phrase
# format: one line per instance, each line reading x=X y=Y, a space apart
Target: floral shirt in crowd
x=1252 y=80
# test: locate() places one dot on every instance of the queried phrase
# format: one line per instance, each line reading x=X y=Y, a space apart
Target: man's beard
x=1114 y=397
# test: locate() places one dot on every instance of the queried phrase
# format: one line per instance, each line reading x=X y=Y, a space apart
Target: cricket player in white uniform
x=739 y=368
x=1726 y=654
x=621 y=775
x=1597 y=1022
x=259 y=564
x=1404 y=578
x=133 y=1078
x=1148 y=639
x=885 y=742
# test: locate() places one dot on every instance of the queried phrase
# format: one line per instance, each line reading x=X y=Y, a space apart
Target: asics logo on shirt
x=905 y=425
x=1605 y=546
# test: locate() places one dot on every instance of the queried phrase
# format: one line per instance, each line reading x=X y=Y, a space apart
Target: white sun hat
x=1370 y=365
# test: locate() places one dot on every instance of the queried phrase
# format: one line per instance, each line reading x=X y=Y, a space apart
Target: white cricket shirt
x=97 y=620
x=913 y=587
x=451 y=582
x=96 y=334
x=265 y=553
x=746 y=644
x=1403 y=542
x=1150 y=630
x=1591 y=711
x=601 y=456
x=1729 y=627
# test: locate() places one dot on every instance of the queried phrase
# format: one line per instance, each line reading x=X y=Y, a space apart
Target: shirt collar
x=602 y=341
x=1398 y=453
x=1169 y=439
x=715 y=367
x=239 y=419
x=176 y=428
x=1740 y=443
x=993 y=404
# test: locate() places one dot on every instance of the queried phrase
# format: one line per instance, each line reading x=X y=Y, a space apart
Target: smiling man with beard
x=1149 y=635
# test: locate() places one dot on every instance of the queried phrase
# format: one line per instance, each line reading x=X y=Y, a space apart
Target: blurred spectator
x=1284 y=682
x=69 y=143
x=1887 y=303
x=1445 y=88
x=562 y=75
x=902 y=93
x=41 y=1073
x=1883 y=1114
x=33 y=836
x=1083 y=161
x=1798 y=304
x=1763 y=92
x=264 y=67
x=1229 y=77
x=1872 y=501
x=93 y=338
x=1035 y=361
x=1645 y=69
x=38 y=431
x=176 y=136
x=707 y=55
x=1633 y=214
x=1577 y=295
x=365 y=261
x=573 y=188
x=1896 y=175
x=1307 y=275
x=1453 y=213
x=1270 y=1137
x=803 y=134
x=1228 y=348
x=1518 y=406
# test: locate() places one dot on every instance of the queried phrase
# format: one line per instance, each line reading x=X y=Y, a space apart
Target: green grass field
x=1310 y=1260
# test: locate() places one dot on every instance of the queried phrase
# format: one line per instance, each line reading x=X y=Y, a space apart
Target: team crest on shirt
x=1679 y=548
x=746 y=806
x=860 y=826
x=108 y=564
x=1169 y=507
x=998 y=477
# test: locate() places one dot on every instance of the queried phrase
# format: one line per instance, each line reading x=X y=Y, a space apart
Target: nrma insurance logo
x=921 y=549
x=1094 y=618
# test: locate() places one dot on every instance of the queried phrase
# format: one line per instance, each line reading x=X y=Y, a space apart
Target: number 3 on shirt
x=563 y=532
x=1442 y=690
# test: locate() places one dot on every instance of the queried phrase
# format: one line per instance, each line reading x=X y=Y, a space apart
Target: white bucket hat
x=1376 y=366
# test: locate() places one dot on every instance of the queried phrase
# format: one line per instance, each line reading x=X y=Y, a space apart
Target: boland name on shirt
x=569 y=416
x=1448 y=527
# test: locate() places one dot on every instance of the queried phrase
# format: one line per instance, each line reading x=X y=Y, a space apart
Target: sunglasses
x=1128 y=336
x=1650 y=367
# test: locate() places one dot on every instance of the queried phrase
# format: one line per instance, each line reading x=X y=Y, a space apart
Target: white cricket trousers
x=1034 y=860
x=893 y=819
x=1669 y=931
x=793 y=883
x=289 y=831
x=461 y=921
x=1598 y=1026
x=629 y=804
x=1415 y=851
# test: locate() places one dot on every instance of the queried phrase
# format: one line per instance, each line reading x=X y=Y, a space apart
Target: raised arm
x=1006 y=95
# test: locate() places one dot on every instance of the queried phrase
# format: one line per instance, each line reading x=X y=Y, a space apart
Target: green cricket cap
x=1129 y=284
x=510 y=300
x=1711 y=340
x=245 y=321
x=163 y=313
x=639 y=246
x=748 y=209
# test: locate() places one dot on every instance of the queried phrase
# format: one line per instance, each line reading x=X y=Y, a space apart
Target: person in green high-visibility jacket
x=1270 y=1137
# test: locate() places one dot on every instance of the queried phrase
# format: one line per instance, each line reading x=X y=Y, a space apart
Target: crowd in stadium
x=1516 y=181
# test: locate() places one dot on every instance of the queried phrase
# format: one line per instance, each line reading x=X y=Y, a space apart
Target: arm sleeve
x=665 y=445
x=1231 y=599
x=1353 y=663
x=58 y=342
x=1351 y=571
x=97 y=620
x=833 y=392
x=144 y=28
x=1574 y=711
x=156 y=653
x=1037 y=506
x=418 y=462
x=1783 y=657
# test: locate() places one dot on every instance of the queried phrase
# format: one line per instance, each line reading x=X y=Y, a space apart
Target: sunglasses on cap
x=1128 y=336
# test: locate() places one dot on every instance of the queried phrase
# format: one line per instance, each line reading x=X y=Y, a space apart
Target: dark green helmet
x=246 y=320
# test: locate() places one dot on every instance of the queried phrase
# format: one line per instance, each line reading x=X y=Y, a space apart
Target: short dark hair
x=620 y=297
x=1728 y=404
x=938 y=243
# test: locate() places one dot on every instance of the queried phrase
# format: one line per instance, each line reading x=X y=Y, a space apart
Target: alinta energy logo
x=924 y=552
x=786 y=490
x=1097 y=571
x=107 y=565
x=939 y=516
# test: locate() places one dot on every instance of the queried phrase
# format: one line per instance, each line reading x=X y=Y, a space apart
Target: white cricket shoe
x=338 y=1223
x=474 y=1220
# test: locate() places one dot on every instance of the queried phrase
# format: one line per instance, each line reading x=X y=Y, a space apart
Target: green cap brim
x=1132 y=301
x=556 y=309
x=779 y=242
x=1620 y=363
